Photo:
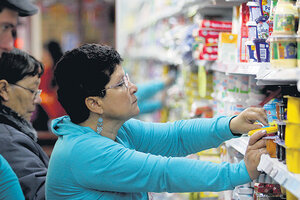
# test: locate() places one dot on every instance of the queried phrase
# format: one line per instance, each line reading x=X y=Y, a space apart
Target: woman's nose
x=7 y=42
x=37 y=99
x=132 y=88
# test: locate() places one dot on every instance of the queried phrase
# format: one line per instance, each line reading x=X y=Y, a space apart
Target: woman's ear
x=94 y=104
x=4 y=90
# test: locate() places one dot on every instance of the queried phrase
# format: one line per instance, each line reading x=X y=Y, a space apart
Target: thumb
x=255 y=126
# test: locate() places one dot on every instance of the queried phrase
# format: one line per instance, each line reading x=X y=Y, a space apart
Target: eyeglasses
x=36 y=93
x=125 y=81
x=4 y=27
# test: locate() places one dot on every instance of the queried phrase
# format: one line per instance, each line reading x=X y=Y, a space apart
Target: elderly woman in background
x=19 y=82
x=102 y=153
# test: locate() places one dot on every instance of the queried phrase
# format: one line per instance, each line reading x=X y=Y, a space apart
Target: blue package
x=262 y=50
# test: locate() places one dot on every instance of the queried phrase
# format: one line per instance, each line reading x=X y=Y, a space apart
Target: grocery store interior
x=219 y=58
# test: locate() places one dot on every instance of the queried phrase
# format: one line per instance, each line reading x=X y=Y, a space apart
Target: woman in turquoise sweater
x=102 y=153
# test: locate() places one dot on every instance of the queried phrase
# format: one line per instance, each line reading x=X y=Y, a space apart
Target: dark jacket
x=18 y=146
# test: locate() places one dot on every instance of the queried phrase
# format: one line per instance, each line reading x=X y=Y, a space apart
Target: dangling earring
x=99 y=125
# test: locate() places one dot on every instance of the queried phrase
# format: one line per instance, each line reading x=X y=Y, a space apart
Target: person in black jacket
x=19 y=82
x=9 y=12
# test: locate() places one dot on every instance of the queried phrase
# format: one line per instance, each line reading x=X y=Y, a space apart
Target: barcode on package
x=263 y=54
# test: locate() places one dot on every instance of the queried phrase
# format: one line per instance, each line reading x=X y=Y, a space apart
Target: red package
x=243 y=35
x=215 y=25
x=209 y=41
x=208 y=56
x=210 y=49
x=208 y=33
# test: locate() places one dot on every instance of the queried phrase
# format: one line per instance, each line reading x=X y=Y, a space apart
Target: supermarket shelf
x=219 y=67
x=278 y=171
x=238 y=68
x=265 y=74
x=228 y=3
x=155 y=18
x=240 y=144
x=180 y=8
x=244 y=68
x=183 y=7
x=273 y=76
x=239 y=1
x=157 y=54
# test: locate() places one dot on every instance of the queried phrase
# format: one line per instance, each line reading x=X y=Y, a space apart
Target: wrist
x=233 y=126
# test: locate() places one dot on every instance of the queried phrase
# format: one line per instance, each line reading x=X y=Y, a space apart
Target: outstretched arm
x=185 y=137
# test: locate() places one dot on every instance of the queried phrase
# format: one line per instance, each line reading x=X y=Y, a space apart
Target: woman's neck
x=110 y=127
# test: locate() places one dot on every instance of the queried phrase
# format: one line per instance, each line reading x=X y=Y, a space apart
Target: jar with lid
x=284 y=18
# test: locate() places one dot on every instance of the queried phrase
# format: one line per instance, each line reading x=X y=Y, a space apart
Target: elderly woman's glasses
x=124 y=82
x=36 y=93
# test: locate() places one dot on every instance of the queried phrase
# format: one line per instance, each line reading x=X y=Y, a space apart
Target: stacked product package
x=283 y=39
x=268 y=32
x=206 y=38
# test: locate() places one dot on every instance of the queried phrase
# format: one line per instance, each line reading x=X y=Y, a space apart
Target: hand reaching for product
x=170 y=80
x=244 y=122
x=256 y=147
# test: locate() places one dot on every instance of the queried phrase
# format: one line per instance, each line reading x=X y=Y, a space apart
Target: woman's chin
x=137 y=111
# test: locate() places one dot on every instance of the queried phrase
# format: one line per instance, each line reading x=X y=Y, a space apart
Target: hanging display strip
x=279 y=172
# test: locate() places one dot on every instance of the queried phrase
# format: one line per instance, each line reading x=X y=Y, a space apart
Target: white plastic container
x=252 y=30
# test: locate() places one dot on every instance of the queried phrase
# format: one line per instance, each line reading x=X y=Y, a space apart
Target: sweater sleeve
x=179 y=138
x=9 y=185
x=147 y=90
x=109 y=166
x=149 y=106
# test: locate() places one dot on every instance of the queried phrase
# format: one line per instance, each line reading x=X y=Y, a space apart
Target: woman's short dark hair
x=84 y=72
x=16 y=65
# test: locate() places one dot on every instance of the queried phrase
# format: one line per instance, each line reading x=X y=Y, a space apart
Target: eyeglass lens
x=126 y=80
